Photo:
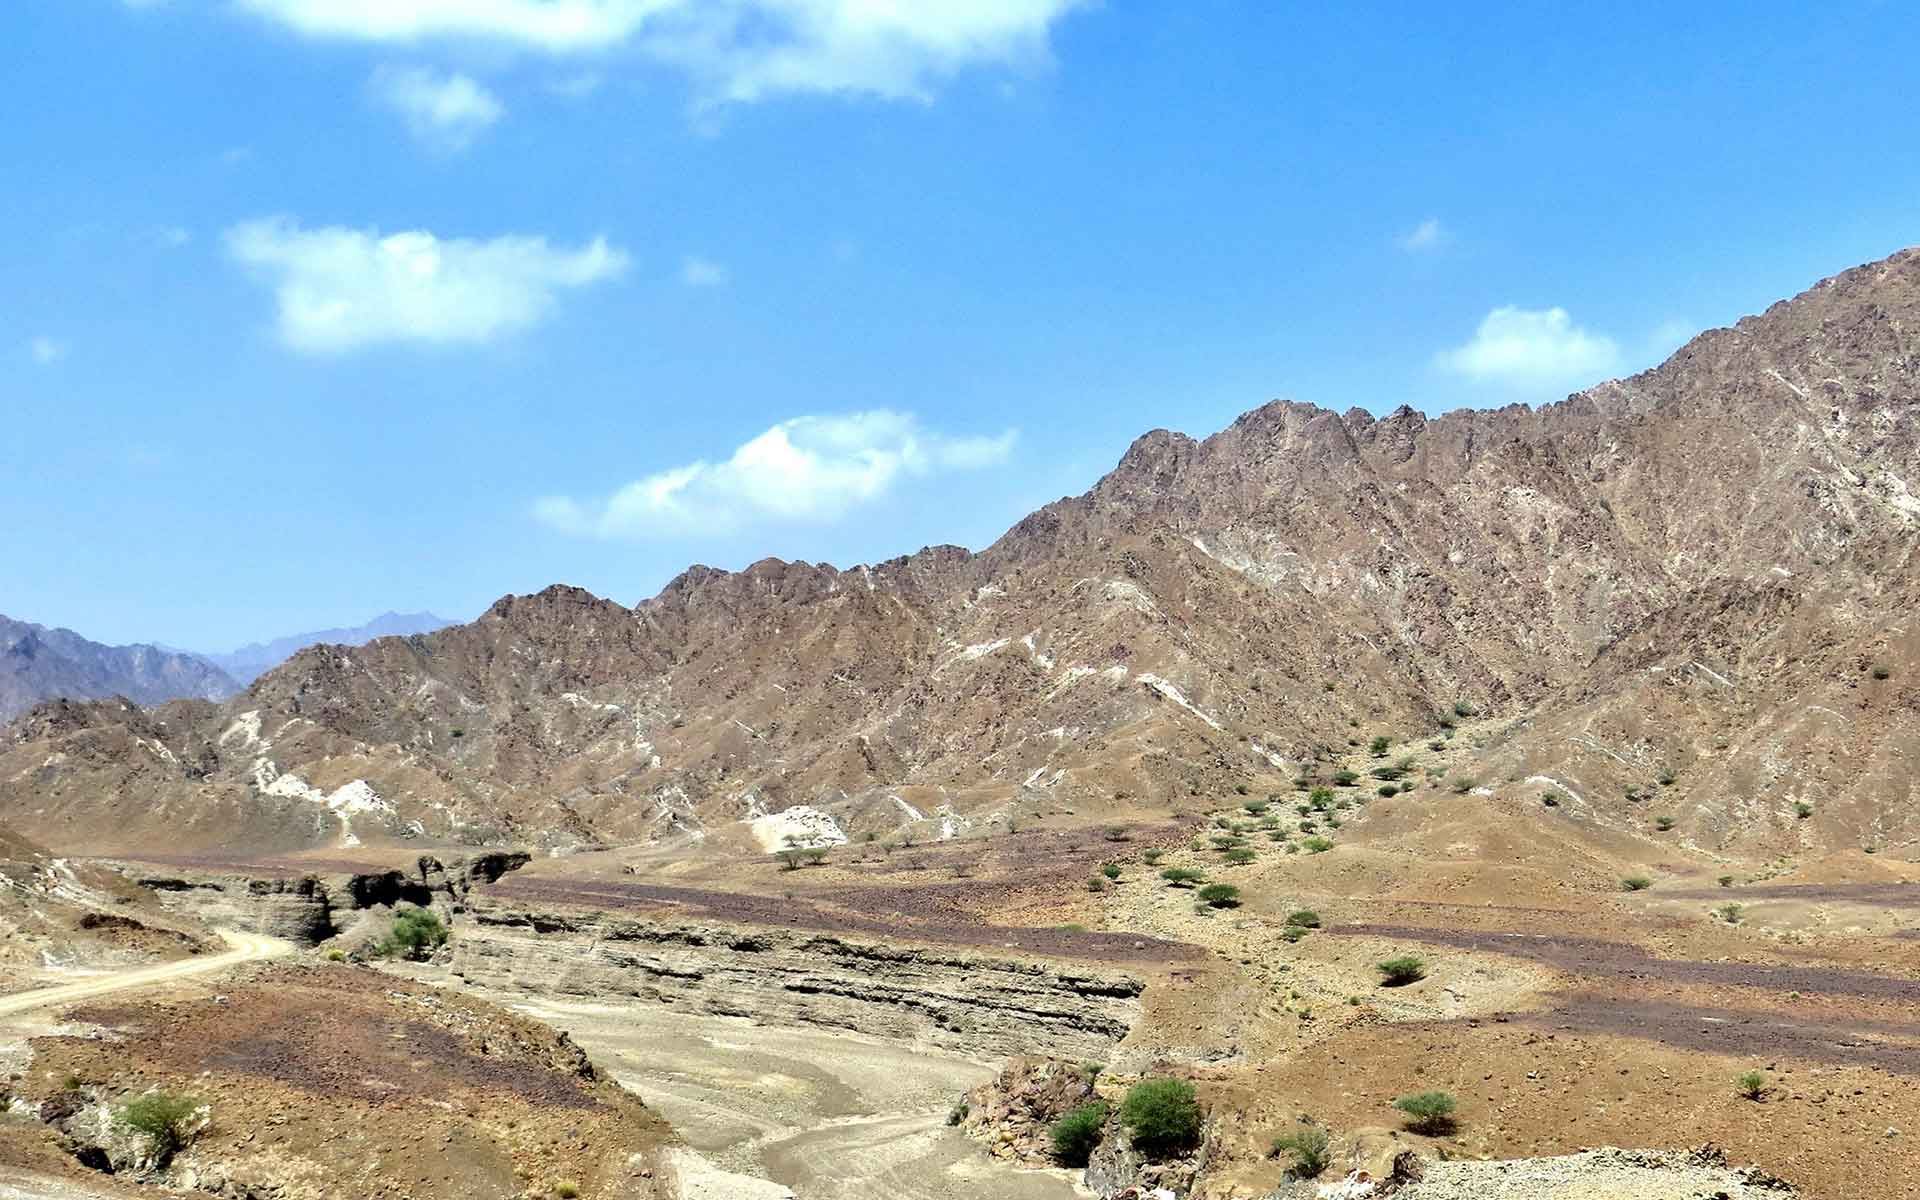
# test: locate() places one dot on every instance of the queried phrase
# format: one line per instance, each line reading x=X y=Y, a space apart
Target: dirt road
x=244 y=947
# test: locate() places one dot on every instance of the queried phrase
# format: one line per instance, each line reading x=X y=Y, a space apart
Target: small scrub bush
x=1320 y=798
x=1726 y=881
x=1255 y=807
x=1880 y=672
x=1427 y=1112
x=1663 y=824
x=1317 y=845
x=1294 y=933
x=1462 y=709
x=1378 y=747
x=1463 y=786
x=1803 y=810
x=959 y=1112
x=1220 y=895
x=1111 y=870
x=415 y=935
x=160 y=1117
x=816 y=857
x=1730 y=913
x=1183 y=876
x=1345 y=778
x=566 y=1189
x=1401 y=971
x=1162 y=1116
x=1076 y=1134
x=1308 y=1146
x=1388 y=773
x=1751 y=1084
x=1389 y=789
x=1304 y=918
x=1096 y=884
x=1635 y=883
x=1151 y=857
x=1666 y=776
x=1240 y=856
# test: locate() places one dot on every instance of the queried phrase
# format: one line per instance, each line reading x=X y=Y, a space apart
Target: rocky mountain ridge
x=1697 y=575
x=255 y=659
x=39 y=663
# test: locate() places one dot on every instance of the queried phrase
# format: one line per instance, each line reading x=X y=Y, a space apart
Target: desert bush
x=1294 y=933
x=1726 y=881
x=1308 y=1146
x=1663 y=824
x=1751 y=1084
x=1304 y=918
x=1096 y=884
x=1387 y=772
x=1635 y=883
x=1240 y=856
x=1730 y=913
x=1183 y=876
x=416 y=934
x=565 y=1189
x=1389 y=789
x=1320 y=798
x=1077 y=1133
x=1427 y=1112
x=1401 y=971
x=1345 y=778
x=1550 y=799
x=815 y=857
x=1803 y=810
x=1220 y=895
x=1162 y=1116
x=1880 y=672
x=160 y=1117
x=1317 y=845
x=1463 y=786
x=1256 y=808
x=789 y=860
x=1151 y=857
x=1111 y=870
x=1378 y=747
x=959 y=1112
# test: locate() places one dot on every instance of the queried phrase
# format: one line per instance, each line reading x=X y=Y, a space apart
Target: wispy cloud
x=702 y=272
x=46 y=351
x=1532 y=347
x=809 y=469
x=1429 y=234
x=443 y=111
x=735 y=50
x=343 y=289
x=171 y=237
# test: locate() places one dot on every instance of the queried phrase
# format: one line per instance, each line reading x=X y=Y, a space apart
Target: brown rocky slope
x=1701 y=573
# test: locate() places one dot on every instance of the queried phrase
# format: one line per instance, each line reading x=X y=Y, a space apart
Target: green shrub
x=1308 y=1146
x=1317 y=845
x=160 y=1117
x=1550 y=799
x=565 y=1189
x=1427 y=1112
x=1321 y=798
x=1666 y=776
x=1726 y=881
x=1255 y=807
x=1183 y=876
x=1880 y=672
x=1304 y=918
x=1240 y=856
x=1076 y=1134
x=415 y=935
x=1151 y=857
x=1096 y=884
x=1220 y=895
x=1803 y=810
x=1401 y=971
x=1635 y=883
x=1462 y=709
x=1111 y=870
x=1462 y=786
x=1387 y=772
x=1293 y=933
x=1345 y=778
x=1162 y=1116
x=1663 y=824
x=1378 y=747
x=1751 y=1084
x=1730 y=913
x=959 y=1112
x=1389 y=789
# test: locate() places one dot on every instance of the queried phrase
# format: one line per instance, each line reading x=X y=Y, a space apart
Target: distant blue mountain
x=250 y=662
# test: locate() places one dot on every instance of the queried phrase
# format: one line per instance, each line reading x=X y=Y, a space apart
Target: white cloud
x=1533 y=347
x=809 y=469
x=342 y=289
x=736 y=49
x=701 y=272
x=1429 y=234
x=45 y=351
x=442 y=111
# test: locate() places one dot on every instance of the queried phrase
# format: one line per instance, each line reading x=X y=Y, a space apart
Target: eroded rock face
x=951 y=998
x=309 y=909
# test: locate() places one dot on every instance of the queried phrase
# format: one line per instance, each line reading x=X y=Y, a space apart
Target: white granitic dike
x=799 y=827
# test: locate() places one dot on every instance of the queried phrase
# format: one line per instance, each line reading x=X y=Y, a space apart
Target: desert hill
x=1689 y=591
x=38 y=663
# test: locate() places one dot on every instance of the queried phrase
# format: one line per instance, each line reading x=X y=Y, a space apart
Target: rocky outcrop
x=1012 y=1113
x=307 y=909
x=977 y=1003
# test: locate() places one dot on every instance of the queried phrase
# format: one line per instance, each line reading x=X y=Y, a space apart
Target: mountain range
x=1688 y=592
x=249 y=662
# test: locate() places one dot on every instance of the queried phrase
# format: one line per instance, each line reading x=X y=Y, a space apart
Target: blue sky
x=315 y=308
